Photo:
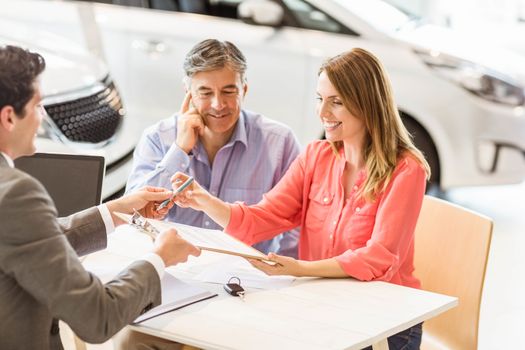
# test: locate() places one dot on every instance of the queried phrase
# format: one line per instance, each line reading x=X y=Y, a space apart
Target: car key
x=234 y=289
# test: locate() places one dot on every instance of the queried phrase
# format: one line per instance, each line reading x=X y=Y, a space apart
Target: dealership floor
x=503 y=305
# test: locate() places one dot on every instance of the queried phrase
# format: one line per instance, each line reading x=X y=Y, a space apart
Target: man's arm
x=85 y=231
x=52 y=274
x=154 y=162
x=159 y=154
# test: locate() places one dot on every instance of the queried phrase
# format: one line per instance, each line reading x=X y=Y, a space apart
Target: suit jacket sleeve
x=85 y=231
x=37 y=254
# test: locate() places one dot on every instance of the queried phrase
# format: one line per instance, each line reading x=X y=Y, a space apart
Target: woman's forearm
x=218 y=210
x=301 y=268
x=322 y=268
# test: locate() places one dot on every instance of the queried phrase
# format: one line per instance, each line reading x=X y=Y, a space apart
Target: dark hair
x=19 y=69
x=211 y=54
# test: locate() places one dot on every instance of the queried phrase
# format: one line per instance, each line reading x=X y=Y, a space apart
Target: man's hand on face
x=173 y=249
x=189 y=125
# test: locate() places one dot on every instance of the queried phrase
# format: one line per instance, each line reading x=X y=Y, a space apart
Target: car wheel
x=424 y=143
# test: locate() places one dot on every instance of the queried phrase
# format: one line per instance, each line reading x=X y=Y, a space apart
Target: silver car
x=462 y=99
x=84 y=110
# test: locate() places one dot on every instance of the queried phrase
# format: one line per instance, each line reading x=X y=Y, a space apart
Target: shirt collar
x=361 y=175
x=8 y=160
x=239 y=135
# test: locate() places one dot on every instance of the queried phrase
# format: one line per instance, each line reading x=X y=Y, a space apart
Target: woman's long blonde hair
x=365 y=91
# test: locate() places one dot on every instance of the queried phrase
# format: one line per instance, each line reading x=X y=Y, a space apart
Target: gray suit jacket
x=41 y=277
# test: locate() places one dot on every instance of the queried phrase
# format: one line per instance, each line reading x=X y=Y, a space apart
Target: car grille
x=93 y=118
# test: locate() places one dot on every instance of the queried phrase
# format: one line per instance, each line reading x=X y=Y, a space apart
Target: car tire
x=424 y=143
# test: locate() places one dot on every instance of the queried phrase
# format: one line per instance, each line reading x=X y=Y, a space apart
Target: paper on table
x=175 y=295
x=105 y=266
x=249 y=276
x=214 y=240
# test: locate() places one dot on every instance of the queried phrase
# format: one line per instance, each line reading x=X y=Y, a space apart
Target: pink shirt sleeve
x=395 y=222
x=278 y=211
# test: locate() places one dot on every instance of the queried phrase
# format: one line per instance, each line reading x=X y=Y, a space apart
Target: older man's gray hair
x=212 y=54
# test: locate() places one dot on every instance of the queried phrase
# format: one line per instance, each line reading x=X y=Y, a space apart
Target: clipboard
x=243 y=255
x=147 y=227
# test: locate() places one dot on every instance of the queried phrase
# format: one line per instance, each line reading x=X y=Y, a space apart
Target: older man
x=235 y=154
x=41 y=278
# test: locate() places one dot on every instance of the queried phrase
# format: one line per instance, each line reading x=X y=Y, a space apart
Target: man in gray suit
x=41 y=278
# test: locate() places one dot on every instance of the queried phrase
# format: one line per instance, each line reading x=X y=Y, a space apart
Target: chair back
x=451 y=252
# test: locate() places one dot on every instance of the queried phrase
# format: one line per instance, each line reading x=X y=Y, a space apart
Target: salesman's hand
x=284 y=265
x=173 y=249
x=145 y=201
x=190 y=125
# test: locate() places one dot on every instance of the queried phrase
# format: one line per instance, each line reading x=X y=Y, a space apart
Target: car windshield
x=381 y=15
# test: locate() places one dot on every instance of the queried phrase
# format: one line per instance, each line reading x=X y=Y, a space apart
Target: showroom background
x=498 y=24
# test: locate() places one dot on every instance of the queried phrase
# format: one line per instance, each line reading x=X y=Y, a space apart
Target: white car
x=463 y=103
x=85 y=113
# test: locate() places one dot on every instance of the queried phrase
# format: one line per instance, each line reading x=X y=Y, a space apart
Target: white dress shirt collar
x=8 y=160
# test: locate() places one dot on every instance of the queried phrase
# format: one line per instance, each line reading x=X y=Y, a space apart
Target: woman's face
x=339 y=124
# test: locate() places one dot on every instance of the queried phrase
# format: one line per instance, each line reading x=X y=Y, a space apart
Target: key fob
x=234 y=289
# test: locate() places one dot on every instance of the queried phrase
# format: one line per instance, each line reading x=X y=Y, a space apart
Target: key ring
x=235 y=289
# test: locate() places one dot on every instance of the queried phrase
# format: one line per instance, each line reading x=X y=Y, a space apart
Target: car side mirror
x=261 y=12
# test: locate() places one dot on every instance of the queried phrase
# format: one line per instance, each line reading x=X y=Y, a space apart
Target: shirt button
x=357 y=210
x=183 y=165
x=207 y=223
x=214 y=193
x=331 y=236
x=334 y=222
x=325 y=199
x=355 y=188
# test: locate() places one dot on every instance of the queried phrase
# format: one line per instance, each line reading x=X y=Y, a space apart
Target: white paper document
x=175 y=295
x=249 y=276
x=206 y=239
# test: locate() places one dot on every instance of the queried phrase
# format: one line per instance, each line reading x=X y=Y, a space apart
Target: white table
x=309 y=314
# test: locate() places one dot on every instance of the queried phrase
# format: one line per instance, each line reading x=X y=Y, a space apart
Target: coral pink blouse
x=370 y=240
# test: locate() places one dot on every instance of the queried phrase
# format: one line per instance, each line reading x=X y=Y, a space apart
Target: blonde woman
x=356 y=195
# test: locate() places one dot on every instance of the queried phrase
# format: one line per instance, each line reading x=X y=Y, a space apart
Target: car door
x=323 y=37
x=157 y=39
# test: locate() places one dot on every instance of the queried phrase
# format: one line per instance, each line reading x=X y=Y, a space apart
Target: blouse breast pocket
x=319 y=206
x=361 y=224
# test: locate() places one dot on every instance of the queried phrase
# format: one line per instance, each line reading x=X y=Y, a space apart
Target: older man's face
x=217 y=95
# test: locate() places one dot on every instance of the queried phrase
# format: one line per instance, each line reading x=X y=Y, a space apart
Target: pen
x=176 y=192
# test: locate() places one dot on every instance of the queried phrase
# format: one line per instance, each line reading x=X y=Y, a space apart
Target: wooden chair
x=451 y=252
x=69 y=340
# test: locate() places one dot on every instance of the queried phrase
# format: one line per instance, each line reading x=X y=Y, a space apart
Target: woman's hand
x=284 y=266
x=194 y=196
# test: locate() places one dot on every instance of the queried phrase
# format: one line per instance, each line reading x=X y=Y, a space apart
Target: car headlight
x=475 y=78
